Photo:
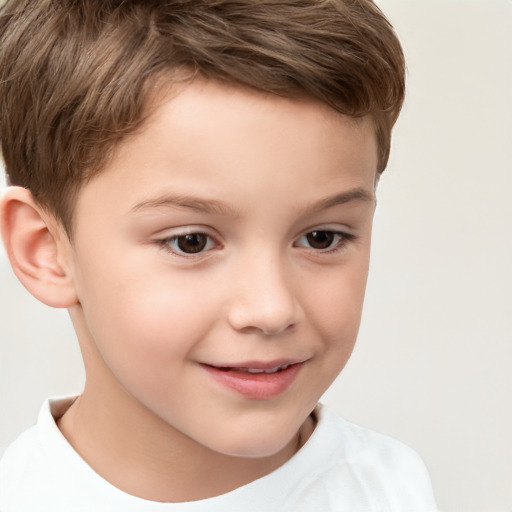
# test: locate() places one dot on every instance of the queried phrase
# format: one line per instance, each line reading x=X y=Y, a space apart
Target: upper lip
x=257 y=365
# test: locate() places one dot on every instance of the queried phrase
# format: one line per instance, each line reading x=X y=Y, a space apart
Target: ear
x=37 y=247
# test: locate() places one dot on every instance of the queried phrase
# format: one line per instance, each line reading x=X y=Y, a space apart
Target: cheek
x=144 y=321
x=338 y=306
x=339 y=301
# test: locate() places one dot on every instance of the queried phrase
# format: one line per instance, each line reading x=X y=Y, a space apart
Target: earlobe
x=36 y=247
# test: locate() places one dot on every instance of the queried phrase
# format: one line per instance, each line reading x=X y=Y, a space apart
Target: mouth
x=255 y=379
x=245 y=369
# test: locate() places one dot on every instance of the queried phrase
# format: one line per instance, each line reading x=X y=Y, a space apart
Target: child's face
x=232 y=232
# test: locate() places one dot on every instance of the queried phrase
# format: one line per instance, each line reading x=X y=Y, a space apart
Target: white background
x=433 y=361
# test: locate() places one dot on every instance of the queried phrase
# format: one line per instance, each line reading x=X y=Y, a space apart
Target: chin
x=256 y=444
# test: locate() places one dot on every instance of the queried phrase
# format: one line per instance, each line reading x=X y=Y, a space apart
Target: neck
x=140 y=454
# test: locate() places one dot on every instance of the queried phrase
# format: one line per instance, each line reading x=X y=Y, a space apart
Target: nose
x=264 y=298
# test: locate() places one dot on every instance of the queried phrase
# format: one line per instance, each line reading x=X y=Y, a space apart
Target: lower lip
x=256 y=385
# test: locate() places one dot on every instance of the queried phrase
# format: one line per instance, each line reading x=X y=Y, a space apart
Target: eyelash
x=166 y=243
x=342 y=240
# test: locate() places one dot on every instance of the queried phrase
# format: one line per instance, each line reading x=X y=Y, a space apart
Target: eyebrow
x=213 y=206
x=355 y=194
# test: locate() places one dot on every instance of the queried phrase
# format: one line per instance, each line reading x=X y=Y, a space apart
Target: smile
x=255 y=380
x=255 y=370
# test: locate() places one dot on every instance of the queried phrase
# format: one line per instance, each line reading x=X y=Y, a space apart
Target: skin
x=256 y=173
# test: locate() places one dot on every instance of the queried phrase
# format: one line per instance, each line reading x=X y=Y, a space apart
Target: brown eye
x=192 y=243
x=320 y=239
x=188 y=244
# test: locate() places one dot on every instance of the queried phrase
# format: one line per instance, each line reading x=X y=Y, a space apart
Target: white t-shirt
x=341 y=468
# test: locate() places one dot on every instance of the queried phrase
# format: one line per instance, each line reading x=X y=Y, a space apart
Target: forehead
x=220 y=139
x=203 y=106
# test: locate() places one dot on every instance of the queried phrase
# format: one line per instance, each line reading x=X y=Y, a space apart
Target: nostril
x=274 y=332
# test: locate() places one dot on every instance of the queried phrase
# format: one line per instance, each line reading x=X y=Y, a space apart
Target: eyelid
x=341 y=229
x=345 y=236
x=182 y=231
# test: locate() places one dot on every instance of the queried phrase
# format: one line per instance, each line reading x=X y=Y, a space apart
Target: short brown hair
x=75 y=75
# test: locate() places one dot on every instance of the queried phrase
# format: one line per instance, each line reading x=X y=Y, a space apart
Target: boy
x=194 y=181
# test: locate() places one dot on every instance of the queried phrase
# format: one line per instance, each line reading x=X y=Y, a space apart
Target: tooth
x=257 y=370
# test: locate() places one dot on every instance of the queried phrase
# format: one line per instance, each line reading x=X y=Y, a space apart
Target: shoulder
x=18 y=450
x=22 y=455
x=376 y=469
x=362 y=444
x=28 y=468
